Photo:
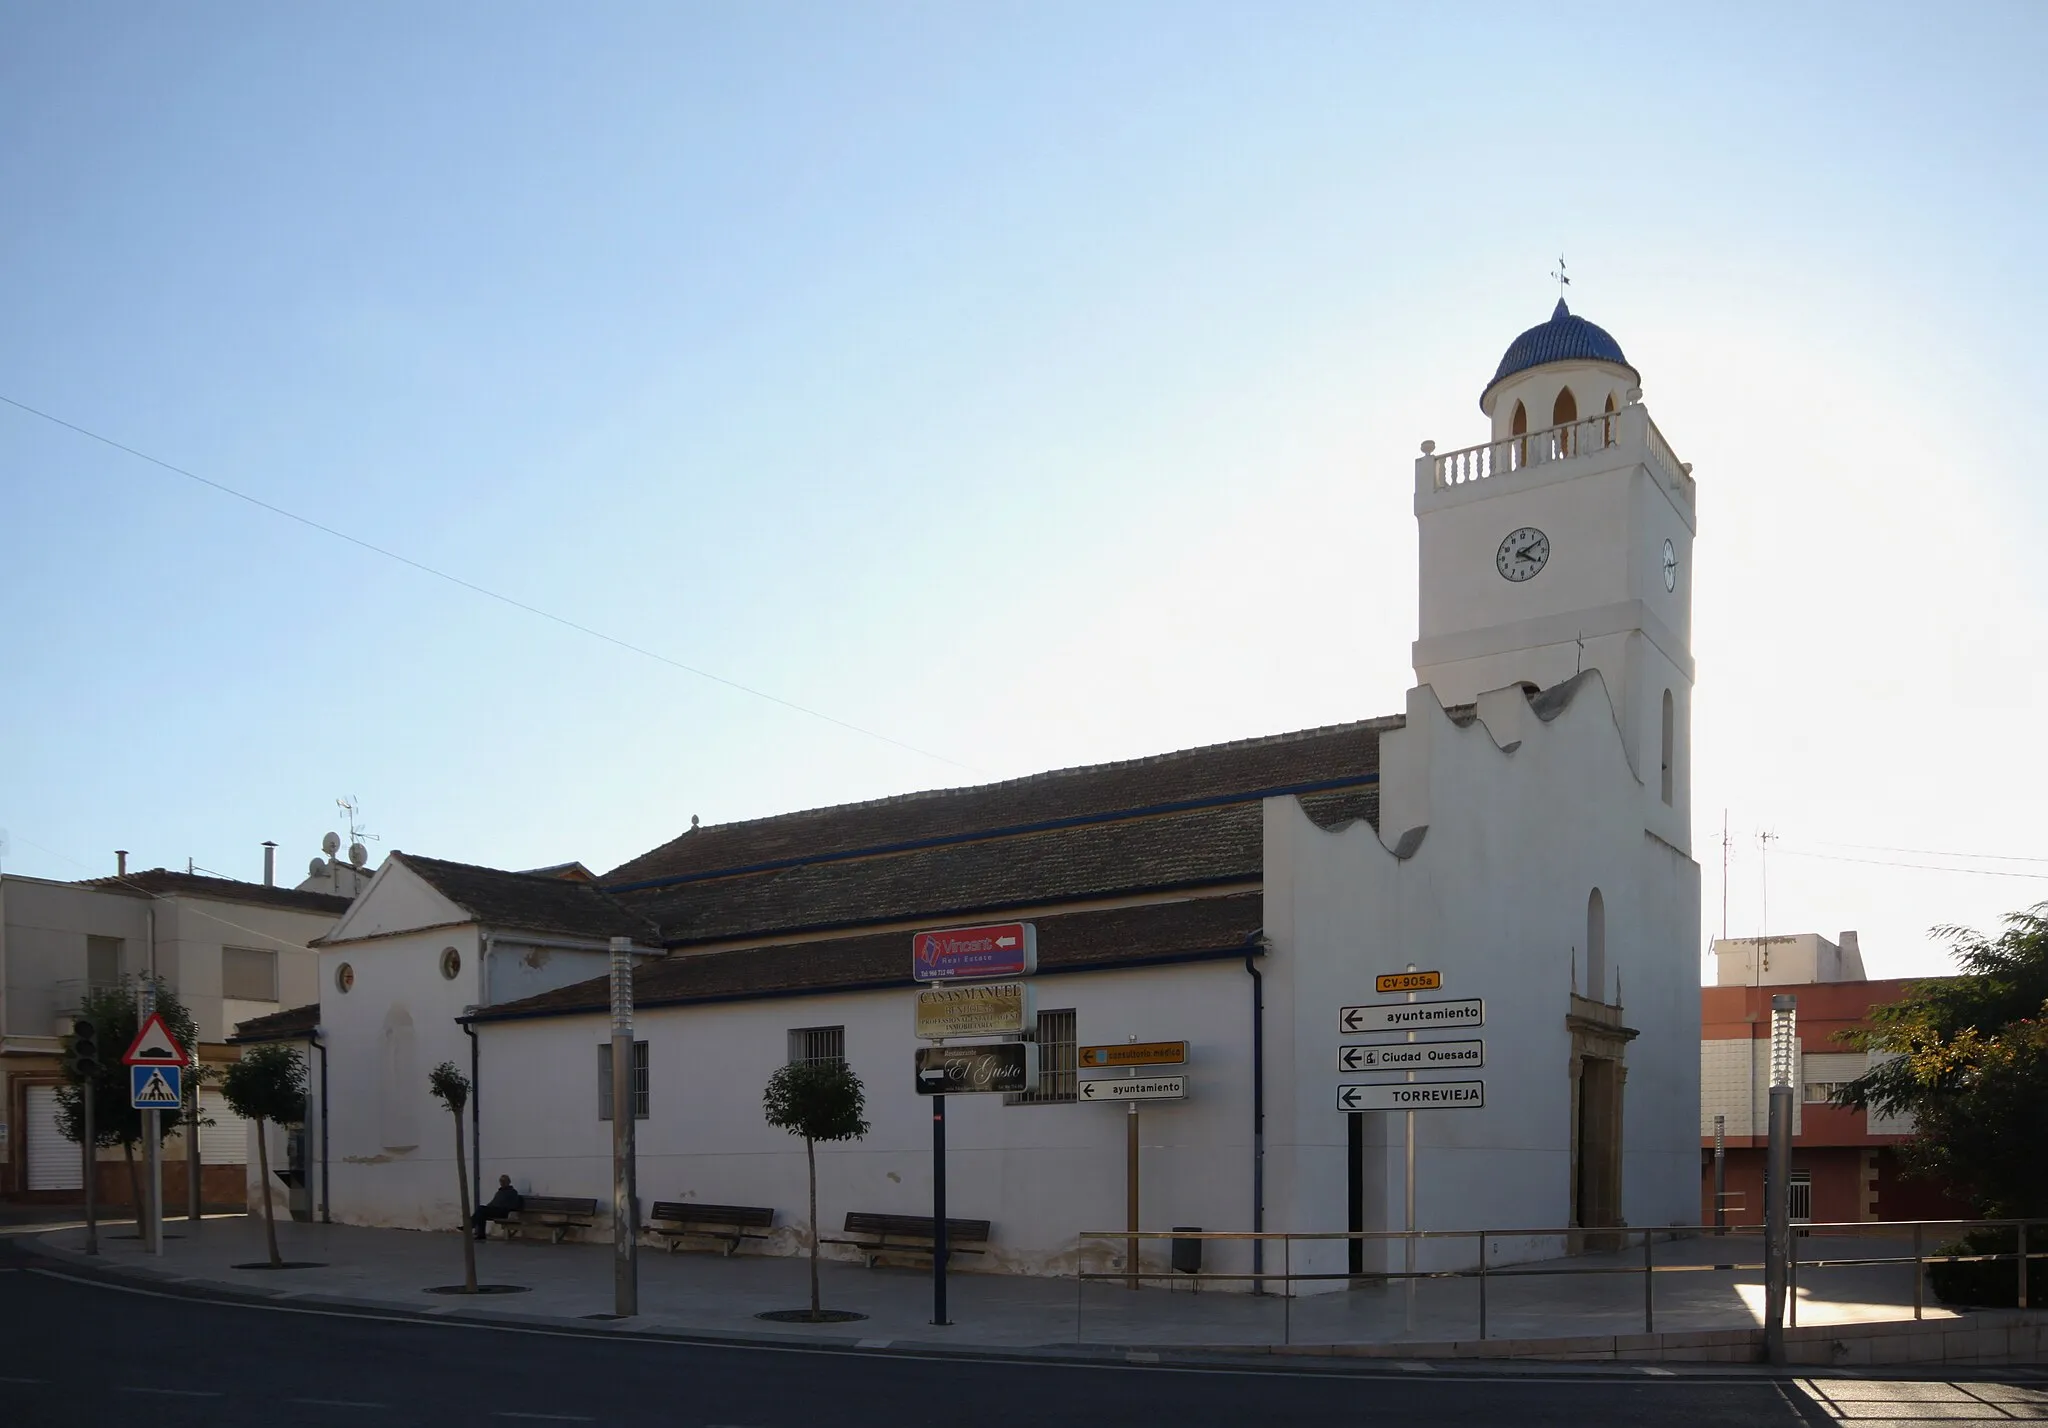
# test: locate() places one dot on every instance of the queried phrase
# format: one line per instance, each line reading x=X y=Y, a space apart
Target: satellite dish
x=316 y=868
x=358 y=854
x=331 y=844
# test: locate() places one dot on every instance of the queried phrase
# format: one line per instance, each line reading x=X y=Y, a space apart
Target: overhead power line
x=1932 y=852
x=476 y=589
x=1923 y=867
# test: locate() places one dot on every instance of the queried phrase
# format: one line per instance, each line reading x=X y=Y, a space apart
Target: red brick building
x=1845 y=1163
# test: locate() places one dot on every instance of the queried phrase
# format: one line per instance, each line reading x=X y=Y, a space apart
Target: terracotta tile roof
x=162 y=882
x=1067 y=942
x=529 y=902
x=296 y=1024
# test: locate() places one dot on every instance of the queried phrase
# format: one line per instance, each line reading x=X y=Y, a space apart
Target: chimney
x=269 y=863
x=1852 y=958
x=120 y=862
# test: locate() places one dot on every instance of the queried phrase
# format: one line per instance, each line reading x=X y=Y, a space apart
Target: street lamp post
x=625 y=1200
x=1778 y=1171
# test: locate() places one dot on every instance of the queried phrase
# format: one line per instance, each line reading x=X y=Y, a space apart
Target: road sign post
x=84 y=1058
x=625 y=1156
x=939 y=1245
x=1131 y=1192
x=154 y=1050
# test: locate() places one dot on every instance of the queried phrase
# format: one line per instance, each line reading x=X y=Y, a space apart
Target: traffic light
x=82 y=1057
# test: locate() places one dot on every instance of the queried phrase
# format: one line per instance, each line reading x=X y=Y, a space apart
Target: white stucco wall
x=1039 y=1173
x=390 y=1144
x=1494 y=898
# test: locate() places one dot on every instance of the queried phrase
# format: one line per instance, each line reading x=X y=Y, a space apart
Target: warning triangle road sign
x=155 y=1087
x=154 y=1043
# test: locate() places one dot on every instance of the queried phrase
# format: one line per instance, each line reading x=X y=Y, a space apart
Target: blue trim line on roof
x=1251 y=946
x=1013 y=830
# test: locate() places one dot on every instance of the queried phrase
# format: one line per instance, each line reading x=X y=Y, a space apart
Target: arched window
x=1596 y=946
x=1610 y=404
x=1563 y=412
x=1520 y=424
x=1670 y=742
x=1518 y=427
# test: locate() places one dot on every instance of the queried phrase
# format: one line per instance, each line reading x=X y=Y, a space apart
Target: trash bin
x=1187 y=1254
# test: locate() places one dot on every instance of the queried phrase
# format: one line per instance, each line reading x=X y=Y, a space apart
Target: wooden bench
x=676 y=1220
x=911 y=1235
x=557 y=1214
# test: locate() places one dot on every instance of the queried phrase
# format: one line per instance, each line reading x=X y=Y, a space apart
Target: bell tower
x=1565 y=543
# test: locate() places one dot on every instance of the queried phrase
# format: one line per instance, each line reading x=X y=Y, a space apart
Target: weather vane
x=1563 y=282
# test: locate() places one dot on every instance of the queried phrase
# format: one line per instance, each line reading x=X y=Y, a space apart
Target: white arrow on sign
x=1006 y=942
x=1144 y=1088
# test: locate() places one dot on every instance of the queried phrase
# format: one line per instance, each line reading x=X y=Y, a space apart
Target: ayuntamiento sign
x=975 y=1009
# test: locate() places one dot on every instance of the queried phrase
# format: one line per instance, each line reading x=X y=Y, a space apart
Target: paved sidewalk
x=707 y=1294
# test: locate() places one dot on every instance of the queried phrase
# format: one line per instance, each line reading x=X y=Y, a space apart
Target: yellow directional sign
x=1134 y=1053
x=1408 y=982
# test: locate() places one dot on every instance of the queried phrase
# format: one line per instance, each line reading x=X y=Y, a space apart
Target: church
x=1521 y=829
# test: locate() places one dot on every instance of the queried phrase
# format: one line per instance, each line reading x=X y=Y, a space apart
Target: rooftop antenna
x=1562 y=280
x=358 y=855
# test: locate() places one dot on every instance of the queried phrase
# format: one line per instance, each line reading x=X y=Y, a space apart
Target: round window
x=344 y=979
x=451 y=962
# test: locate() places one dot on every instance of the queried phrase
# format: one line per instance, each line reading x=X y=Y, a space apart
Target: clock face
x=1522 y=554
x=1670 y=567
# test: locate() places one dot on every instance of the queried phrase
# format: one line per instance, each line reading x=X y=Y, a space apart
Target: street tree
x=1967 y=1058
x=451 y=1089
x=818 y=1100
x=268 y=1085
x=116 y=1016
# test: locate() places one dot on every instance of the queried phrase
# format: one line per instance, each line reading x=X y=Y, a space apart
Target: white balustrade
x=1493 y=459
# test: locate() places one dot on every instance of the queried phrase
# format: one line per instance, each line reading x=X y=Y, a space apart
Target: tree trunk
x=462 y=1213
x=811 y=1158
x=134 y=1180
x=269 y=1215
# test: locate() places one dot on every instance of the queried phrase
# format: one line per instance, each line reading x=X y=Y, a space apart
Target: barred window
x=816 y=1045
x=604 y=1081
x=1055 y=1061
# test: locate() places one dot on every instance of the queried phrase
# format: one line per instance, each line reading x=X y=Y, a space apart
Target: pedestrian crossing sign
x=156 y=1088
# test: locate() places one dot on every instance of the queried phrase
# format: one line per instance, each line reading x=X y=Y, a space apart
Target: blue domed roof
x=1562 y=339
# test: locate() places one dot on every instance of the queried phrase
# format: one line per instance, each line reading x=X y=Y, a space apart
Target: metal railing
x=1595 y=1240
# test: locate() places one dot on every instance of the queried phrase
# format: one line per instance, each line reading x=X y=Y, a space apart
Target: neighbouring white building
x=1522 y=826
x=231 y=950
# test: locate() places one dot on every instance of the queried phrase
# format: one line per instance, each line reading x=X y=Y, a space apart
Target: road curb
x=1384 y=1361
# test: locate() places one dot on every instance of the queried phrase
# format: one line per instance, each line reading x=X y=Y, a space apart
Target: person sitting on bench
x=500 y=1207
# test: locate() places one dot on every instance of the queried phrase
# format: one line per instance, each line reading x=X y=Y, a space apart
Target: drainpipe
x=326 y=1175
x=1258 y=1119
x=476 y=1125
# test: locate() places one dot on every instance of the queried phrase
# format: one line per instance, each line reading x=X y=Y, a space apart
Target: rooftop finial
x=1563 y=281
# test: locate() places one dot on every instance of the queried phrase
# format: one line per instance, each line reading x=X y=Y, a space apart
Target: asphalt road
x=75 y=1352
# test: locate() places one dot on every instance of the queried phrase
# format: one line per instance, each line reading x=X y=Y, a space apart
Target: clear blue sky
x=1036 y=384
